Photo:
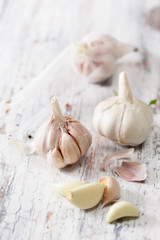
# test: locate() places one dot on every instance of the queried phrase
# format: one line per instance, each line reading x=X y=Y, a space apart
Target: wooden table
x=32 y=34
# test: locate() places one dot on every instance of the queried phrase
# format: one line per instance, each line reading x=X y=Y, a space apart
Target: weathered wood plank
x=33 y=34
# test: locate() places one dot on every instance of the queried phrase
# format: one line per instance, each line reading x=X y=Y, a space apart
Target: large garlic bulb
x=95 y=56
x=123 y=119
x=62 y=140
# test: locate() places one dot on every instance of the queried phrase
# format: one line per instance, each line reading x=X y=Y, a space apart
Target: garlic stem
x=80 y=47
x=124 y=89
x=56 y=110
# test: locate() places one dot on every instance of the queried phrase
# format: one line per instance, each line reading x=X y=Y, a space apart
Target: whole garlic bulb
x=123 y=119
x=62 y=140
x=95 y=56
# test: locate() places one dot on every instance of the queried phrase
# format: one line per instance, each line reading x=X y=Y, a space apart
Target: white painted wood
x=32 y=34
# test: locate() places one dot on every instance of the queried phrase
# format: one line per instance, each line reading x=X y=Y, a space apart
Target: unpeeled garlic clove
x=122 y=209
x=86 y=196
x=62 y=140
x=111 y=191
x=55 y=158
x=123 y=119
x=69 y=149
x=77 y=131
x=64 y=187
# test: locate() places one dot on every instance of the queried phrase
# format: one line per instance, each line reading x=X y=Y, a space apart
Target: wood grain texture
x=32 y=34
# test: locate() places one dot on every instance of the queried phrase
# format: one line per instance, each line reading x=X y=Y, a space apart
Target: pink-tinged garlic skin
x=55 y=157
x=111 y=191
x=46 y=137
x=95 y=56
x=110 y=158
x=62 y=140
x=131 y=171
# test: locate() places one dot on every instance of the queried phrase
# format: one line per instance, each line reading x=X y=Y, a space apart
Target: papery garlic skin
x=64 y=187
x=123 y=119
x=111 y=191
x=86 y=196
x=95 y=56
x=122 y=209
x=62 y=140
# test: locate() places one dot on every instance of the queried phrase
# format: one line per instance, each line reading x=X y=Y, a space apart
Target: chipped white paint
x=33 y=33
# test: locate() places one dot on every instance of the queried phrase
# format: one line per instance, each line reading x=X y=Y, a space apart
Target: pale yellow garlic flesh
x=86 y=196
x=111 y=191
x=122 y=209
x=62 y=140
x=123 y=119
x=64 y=187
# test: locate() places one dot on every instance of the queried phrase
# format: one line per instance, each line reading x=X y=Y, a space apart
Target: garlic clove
x=64 y=187
x=111 y=191
x=122 y=209
x=86 y=196
x=69 y=149
x=77 y=131
x=54 y=157
x=53 y=134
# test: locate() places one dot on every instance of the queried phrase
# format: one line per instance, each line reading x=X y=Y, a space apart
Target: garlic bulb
x=62 y=140
x=123 y=119
x=95 y=56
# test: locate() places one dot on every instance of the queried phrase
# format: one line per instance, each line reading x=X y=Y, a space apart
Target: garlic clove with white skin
x=111 y=191
x=86 y=196
x=62 y=140
x=123 y=119
x=95 y=56
x=64 y=187
x=122 y=209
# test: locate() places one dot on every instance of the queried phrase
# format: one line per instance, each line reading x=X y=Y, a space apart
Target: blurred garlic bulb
x=62 y=140
x=95 y=56
x=123 y=119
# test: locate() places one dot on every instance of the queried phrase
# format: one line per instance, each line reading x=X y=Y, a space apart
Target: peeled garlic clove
x=111 y=191
x=63 y=188
x=77 y=131
x=123 y=119
x=122 y=209
x=69 y=149
x=86 y=196
x=54 y=141
x=55 y=158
